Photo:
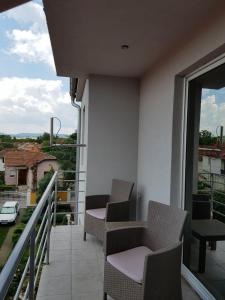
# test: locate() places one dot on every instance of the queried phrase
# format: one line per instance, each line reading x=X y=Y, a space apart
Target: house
x=26 y=168
x=2 y=162
x=34 y=147
x=212 y=159
x=138 y=69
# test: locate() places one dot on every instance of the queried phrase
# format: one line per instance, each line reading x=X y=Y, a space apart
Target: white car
x=9 y=212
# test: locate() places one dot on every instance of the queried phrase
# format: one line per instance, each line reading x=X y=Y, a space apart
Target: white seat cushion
x=98 y=213
x=130 y=262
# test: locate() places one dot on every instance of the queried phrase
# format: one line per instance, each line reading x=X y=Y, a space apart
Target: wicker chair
x=144 y=263
x=107 y=208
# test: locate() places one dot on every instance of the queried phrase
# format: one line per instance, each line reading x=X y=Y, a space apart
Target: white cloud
x=27 y=104
x=212 y=114
x=31 y=44
x=29 y=13
x=31 y=47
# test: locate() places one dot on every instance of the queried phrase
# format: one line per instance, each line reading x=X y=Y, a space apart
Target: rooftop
x=23 y=158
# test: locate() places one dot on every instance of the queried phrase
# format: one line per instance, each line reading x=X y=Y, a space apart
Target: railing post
x=49 y=227
x=32 y=265
x=212 y=188
x=55 y=199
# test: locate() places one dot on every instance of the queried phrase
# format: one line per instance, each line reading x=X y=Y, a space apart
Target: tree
x=44 y=137
x=206 y=138
x=43 y=183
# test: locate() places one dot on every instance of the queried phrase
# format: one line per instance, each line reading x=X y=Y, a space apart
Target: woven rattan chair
x=144 y=263
x=107 y=208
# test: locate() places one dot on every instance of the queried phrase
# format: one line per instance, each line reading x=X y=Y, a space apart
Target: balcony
x=76 y=268
x=59 y=264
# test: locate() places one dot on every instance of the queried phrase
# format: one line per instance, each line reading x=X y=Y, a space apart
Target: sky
x=30 y=91
x=212 y=110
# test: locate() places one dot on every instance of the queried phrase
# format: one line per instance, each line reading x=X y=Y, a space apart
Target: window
x=83 y=136
x=12 y=173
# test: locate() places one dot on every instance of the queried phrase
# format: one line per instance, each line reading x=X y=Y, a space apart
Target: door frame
x=179 y=144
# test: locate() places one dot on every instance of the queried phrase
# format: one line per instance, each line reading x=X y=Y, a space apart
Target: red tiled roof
x=22 y=158
x=212 y=151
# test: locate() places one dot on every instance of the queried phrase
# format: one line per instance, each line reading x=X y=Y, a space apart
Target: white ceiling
x=87 y=35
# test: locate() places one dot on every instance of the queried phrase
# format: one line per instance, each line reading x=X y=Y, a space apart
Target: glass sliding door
x=204 y=242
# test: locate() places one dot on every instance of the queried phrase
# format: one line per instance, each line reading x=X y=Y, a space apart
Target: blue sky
x=212 y=109
x=30 y=90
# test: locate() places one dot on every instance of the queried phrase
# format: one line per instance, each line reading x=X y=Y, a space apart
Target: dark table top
x=208 y=229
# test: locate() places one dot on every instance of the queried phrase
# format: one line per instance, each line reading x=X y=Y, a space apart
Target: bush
x=17 y=233
x=4 y=187
x=26 y=216
x=43 y=183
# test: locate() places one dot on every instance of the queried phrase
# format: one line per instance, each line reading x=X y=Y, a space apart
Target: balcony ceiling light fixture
x=125 y=47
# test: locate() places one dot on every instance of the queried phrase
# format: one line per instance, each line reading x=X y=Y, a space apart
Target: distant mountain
x=26 y=135
x=30 y=135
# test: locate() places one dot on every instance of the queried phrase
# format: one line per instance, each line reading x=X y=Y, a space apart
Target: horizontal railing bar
x=71 y=180
x=72 y=201
x=41 y=241
x=69 y=213
x=41 y=226
x=219 y=213
x=218 y=192
x=39 y=265
x=27 y=288
x=10 y=267
x=70 y=171
x=220 y=203
x=69 y=145
x=22 y=280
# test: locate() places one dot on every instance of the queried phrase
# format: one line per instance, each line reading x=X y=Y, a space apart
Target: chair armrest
x=162 y=273
x=122 y=239
x=118 y=211
x=96 y=201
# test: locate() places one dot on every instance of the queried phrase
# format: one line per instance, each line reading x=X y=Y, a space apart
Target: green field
x=3 y=232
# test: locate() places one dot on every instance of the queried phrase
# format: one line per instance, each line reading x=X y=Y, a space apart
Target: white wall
x=211 y=164
x=2 y=165
x=112 y=132
x=83 y=151
x=156 y=111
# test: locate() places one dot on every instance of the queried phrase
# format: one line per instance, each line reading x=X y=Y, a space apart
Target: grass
x=3 y=232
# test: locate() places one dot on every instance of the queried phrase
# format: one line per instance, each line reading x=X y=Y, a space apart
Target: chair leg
x=104 y=296
x=84 y=237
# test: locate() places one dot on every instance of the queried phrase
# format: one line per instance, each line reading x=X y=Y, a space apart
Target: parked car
x=9 y=212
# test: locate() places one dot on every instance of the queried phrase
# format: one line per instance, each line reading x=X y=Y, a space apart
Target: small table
x=115 y=225
x=207 y=230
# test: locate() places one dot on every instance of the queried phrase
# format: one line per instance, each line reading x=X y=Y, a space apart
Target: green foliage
x=66 y=157
x=6 y=142
x=62 y=219
x=44 y=137
x=17 y=233
x=202 y=185
x=4 y=187
x=43 y=183
x=26 y=216
x=3 y=233
x=2 y=177
x=73 y=136
x=5 y=138
x=206 y=138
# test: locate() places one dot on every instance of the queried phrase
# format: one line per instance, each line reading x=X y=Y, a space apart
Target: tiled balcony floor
x=76 y=268
x=214 y=276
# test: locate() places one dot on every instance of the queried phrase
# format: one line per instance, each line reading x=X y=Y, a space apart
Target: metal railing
x=35 y=243
x=214 y=185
